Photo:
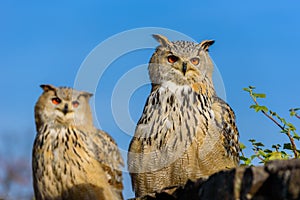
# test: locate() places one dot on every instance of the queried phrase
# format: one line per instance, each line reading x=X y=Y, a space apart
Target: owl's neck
x=55 y=124
x=173 y=87
x=205 y=87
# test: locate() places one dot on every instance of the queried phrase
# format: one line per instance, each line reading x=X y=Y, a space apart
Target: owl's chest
x=65 y=145
x=176 y=112
x=60 y=157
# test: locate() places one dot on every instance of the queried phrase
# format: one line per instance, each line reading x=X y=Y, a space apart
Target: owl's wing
x=145 y=154
x=107 y=153
x=225 y=121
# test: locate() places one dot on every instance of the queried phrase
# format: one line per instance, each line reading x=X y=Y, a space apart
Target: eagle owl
x=186 y=131
x=71 y=158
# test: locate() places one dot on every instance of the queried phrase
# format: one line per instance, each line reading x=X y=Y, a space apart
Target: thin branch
x=266 y=114
x=294 y=148
x=259 y=157
x=293 y=144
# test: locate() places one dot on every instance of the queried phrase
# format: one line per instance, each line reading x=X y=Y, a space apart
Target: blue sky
x=257 y=43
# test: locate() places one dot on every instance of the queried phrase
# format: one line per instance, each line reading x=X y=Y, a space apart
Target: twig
x=293 y=143
x=260 y=158
x=294 y=148
x=266 y=114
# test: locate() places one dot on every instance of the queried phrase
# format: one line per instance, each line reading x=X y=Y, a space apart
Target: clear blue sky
x=257 y=43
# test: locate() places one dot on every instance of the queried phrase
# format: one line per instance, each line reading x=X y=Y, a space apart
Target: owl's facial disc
x=68 y=109
x=183 y=65
x=64 y=106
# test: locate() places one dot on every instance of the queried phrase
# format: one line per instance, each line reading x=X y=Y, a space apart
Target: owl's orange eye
x=56 y=100
x=195 y=61
x=75 y=104
x=172 y=59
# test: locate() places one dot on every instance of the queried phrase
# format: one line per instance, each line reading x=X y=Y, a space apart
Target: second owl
x=71 y=158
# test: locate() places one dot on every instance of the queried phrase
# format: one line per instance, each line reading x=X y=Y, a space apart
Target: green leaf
x=277 y=146
x=264 y=108
x=268 y=151
x=247 y=89
x=287 y=146
x=284 y=131
x=243 y=158
x=275 y=156
x=282 y=120
x=292 y=113
x=253 y=156
x=285 y=155
x=262 y=153
x=246 y=161
x=251 y=140
x=291 y=126
x=242 y=146
x=294 y=109
x=257 y=95
x=273 y=113
x=296 y=136
x=258 y=144
x=258 y=108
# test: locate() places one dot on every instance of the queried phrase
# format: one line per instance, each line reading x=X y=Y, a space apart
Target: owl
x=186 y=131
x=71 y=158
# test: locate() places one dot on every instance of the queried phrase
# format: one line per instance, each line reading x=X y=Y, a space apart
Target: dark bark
x=275 y=180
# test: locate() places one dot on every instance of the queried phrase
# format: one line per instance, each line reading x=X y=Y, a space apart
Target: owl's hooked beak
x=66 y=109
x=184 y=68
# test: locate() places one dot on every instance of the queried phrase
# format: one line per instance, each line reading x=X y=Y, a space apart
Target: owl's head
x=181 y=62
x=63 y=106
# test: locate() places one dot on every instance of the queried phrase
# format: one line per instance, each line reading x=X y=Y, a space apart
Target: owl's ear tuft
x=161 y=39
x=86 y=94
x=206 y=44
x=48 y=87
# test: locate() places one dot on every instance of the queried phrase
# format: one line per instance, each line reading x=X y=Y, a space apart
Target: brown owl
x=186 y=131
x=71 y=158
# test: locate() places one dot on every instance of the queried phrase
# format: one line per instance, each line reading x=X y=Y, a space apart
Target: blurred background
x=257 y=43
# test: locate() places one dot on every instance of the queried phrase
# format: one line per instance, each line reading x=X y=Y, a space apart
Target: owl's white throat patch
x=174 y=88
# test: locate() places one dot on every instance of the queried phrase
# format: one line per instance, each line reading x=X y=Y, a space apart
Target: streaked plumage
x=185 y=131
x=71 y=158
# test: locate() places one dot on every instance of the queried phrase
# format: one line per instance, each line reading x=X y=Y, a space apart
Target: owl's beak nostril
x=66 y=109
x=184 y=68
